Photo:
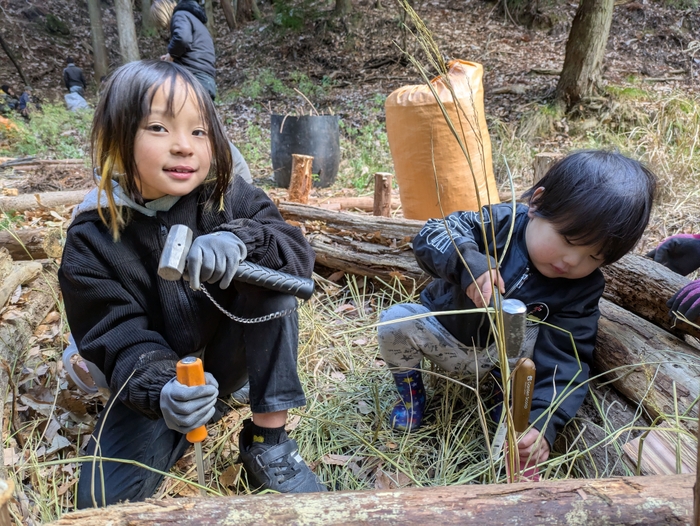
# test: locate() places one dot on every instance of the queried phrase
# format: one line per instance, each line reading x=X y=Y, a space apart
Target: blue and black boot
x=407 y=415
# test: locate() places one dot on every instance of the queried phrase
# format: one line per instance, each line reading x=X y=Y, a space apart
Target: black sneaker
x=276 y=466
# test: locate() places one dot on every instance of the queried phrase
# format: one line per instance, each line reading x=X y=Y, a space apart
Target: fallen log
x=366 y=259
x=643 y=286
x=385 y=229
x=628 y=500
x=647 y=364
x=22 y=202
x=22 y=273
x=17 y=325
x=31 y=243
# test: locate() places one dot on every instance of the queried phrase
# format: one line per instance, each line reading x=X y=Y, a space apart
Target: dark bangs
x=126 y=101
x=597 y=198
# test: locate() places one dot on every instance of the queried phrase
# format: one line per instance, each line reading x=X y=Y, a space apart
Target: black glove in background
x=679 y=253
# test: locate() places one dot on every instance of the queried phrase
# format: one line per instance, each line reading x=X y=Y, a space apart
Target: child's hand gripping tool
x=190 y=372
x=174 y=257
x=523 y=375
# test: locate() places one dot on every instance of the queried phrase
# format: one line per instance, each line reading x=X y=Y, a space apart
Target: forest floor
x=348 y=66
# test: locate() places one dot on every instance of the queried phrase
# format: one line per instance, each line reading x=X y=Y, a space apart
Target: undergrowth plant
x=53 y=132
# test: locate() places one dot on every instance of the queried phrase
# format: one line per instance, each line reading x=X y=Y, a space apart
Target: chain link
x=259 y=319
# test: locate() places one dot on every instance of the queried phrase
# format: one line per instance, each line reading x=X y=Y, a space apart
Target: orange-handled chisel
x=190 y=372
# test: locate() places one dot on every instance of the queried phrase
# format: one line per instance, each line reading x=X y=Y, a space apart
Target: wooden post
x=300 y=182
x=543 y=162
x=7 y=487
x=382 y=194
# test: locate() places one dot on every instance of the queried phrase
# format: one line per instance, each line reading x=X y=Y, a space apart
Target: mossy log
x=628 y=500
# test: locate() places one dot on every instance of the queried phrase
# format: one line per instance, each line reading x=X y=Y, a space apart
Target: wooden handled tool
x=523 y=382
x=190 y=372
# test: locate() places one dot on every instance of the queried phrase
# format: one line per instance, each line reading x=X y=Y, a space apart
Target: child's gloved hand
x=680 y=253
x=482 y=286
x=215 y=257
x=687 y=301
x=186 y=408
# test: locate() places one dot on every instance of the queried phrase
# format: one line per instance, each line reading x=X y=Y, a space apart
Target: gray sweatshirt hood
x=92 y=202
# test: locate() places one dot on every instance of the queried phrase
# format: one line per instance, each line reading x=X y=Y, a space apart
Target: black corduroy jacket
x=135 y=325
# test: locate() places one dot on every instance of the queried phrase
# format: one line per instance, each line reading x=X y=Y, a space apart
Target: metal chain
x=259 y=319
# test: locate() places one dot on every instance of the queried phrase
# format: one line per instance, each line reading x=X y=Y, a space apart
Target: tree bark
x=627 y=500
x=146 y=22
x=22 y=202
x=300 y=181
x=12 y=58
x=25 y=244
x=22 y=273
x=342 y=7
x=229 y=14
x=128 y=44
x=17 y=325
x=643 y=286
x=383 y=229
x=585 y=50
x=248 y=10
x=382 y=194
x=209 y=10
x=645 y=362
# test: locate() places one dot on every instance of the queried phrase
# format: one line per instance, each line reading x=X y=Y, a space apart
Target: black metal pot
x=316 y=135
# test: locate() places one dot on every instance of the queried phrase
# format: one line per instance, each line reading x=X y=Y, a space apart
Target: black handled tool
x=174 y=257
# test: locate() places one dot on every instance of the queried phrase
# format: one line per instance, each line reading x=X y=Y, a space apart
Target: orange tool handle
x=190 y=372
x=523 y=384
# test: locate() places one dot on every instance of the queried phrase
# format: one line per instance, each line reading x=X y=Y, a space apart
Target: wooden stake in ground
x=382 y=194
x=300 y=182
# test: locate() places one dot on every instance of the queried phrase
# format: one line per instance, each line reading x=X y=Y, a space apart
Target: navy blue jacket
x=191 y=44
x=569 y=304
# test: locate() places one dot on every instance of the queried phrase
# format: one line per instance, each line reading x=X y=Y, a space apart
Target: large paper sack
x=428 y=161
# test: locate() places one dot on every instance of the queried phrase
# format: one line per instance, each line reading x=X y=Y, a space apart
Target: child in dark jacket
x=587 y=211
x=163 y=159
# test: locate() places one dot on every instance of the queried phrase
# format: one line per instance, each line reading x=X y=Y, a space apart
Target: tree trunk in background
x=99 y=50
x=342 y=7
x=146 y=22
x=248 y=10
x=128 y=45
x=11 y=56
x=229 y=13
x=585 y=50
x=209 y=10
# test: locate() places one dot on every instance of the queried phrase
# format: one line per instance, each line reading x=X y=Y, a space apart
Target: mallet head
x=174 y=256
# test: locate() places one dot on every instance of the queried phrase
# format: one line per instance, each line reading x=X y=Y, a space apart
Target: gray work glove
x=186 y=408
x=215 y=257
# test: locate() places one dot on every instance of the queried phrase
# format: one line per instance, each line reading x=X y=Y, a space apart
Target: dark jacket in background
x=73 y=76
x=191 y=44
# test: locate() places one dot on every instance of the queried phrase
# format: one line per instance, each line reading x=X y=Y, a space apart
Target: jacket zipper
x=518 y=283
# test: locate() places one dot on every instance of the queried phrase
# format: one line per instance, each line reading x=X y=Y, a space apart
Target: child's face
x=172 y=152
x=554 y=256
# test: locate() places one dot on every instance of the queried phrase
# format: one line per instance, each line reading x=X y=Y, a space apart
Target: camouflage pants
x=403 y=343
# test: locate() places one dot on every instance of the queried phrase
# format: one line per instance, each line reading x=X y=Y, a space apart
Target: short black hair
x=69 y=60
x=5 y=88
x=597 y=198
